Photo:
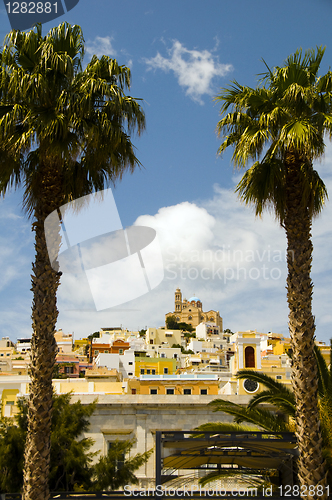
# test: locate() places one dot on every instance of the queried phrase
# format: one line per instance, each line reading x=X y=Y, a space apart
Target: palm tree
x=282 y=398
x=64 y=133
x=281 y=125
x=278 y=396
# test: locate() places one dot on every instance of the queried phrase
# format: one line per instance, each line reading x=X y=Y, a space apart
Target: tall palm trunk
x=302 y=329
x=45 y=282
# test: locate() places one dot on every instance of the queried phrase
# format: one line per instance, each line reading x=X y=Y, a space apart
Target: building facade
x=191 y=311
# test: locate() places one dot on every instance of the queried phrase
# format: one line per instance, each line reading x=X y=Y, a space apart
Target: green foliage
x=95 y=335
x=142 y=333
x=277 y=394
x=289 y=111
x=51 y=108
x=173 y=324
x=187 y=328
x=70 y=457
x=183 y=350
x=71 y=462
x=112 y=472
x=11 y=457
x=256 y=416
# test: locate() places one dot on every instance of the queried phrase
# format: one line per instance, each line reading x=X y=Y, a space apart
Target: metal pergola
x=245 y=451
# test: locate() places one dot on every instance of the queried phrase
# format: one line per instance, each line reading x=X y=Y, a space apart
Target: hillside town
x=154 y=379
x=156 y=361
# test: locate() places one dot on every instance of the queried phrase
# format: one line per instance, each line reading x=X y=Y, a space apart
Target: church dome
x=195 y=299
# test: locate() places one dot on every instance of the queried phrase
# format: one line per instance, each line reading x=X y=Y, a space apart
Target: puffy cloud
x=194 y=69
x=100 y=46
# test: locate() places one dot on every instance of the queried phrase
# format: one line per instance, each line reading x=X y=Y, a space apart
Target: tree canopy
x=72 y=465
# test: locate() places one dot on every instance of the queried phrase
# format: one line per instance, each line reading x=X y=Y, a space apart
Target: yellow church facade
x=191 y=311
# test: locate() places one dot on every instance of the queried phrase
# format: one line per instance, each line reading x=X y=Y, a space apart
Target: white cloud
x=194 y=69
x=234 y=262
x=100 y=46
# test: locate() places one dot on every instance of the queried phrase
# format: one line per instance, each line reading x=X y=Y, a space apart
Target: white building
x=123 y=363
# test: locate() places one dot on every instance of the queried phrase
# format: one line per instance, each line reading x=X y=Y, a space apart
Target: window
x=153 y=391
x=130 y=374
x=120 y=458
x=151 y=341
x=96 y=351
x=190 y=317
x=204 y=392
x=120 y=351
x=250 y=385
x=187 y=391
x=142 y=371
x=133 y=391
x=169 y=391
x=148 y=372
x=106 y=351
x=278 y=377
x=162 y=355
x=130 y=363
x=153 y=372
x=165 y=371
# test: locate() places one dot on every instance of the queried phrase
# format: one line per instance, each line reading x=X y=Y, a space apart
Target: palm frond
x=257 y=416
x=225 y=427
x=282 y=400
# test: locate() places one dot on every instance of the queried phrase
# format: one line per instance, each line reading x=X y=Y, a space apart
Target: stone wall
x=138 y=417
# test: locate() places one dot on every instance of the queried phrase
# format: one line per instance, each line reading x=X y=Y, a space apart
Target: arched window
x=249 y=357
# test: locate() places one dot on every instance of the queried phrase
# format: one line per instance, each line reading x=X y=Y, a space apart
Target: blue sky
x=180 y=54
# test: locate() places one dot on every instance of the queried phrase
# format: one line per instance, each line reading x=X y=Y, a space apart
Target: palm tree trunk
x=311 y=464
x=45 y=282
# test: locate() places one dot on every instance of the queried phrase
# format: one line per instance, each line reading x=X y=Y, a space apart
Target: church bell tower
x=178 y=301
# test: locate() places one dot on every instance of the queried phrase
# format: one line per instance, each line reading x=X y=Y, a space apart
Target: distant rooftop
x=182 y=376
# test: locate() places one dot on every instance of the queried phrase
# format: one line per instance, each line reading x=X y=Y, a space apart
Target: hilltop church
x=191 y=311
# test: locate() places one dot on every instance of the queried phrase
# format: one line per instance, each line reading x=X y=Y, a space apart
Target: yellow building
x=154 y=366
x=7 y=349
x=11 y=388
x=186 y=384
x=191 y=311
x=282 y=346
x=248 y=355
x=161 y=336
